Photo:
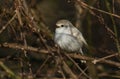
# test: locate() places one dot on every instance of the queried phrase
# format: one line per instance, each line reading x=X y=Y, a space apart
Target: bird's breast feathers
x=67 y=42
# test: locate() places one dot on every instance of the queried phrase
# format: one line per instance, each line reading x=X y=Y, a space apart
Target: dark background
x=34 y=26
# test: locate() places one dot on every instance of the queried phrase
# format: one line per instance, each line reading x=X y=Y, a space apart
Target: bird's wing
x=76 y=33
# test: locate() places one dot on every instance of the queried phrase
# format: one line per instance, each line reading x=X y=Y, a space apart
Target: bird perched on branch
x=68 y=37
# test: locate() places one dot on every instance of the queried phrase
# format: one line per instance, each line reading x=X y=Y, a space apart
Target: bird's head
x=63 y=23
x=63 y=26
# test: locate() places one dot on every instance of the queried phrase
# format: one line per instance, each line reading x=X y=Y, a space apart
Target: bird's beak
x=58 y=25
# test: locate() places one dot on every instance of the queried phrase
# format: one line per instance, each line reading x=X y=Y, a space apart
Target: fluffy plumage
x=68 y=37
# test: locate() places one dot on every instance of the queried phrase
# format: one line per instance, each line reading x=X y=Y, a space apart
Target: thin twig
x=10 y=72
x=84 y=5
x=69 y=71
x=33 y=49
x=110 y=62
x=39 y=69
x=77 y=66
x=103 y=58
x=22 y=47
x=5 y=26
x=61 y=71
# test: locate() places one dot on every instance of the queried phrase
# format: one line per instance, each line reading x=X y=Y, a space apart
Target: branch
x=22 y=47
x=84 y=5
x=5 y=26
x=33 y=49
x=110 y=62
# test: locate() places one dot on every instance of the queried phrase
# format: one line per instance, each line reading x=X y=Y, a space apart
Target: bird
x=68 y=37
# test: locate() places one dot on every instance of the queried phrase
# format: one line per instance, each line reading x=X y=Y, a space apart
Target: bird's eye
x=62 y=25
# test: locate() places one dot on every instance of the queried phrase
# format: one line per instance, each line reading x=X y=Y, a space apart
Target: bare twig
x=38 y=71
x=103 y=58
x=5 y=26
x=69 y=71
x=84 y=5
x=110 y=62
x=78 y=66
x=61 y=72
x=10 y=72
x=33 y=49
x=21 y=47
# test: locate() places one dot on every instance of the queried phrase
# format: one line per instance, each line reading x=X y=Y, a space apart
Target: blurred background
x=27 y=48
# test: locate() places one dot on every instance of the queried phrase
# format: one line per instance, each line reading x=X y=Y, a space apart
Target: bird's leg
x=81 y=51
x=82 y=61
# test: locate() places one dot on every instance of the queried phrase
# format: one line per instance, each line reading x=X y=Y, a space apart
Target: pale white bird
x=68 y=37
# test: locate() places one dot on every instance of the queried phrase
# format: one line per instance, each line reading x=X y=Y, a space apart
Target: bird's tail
x=84 y=41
